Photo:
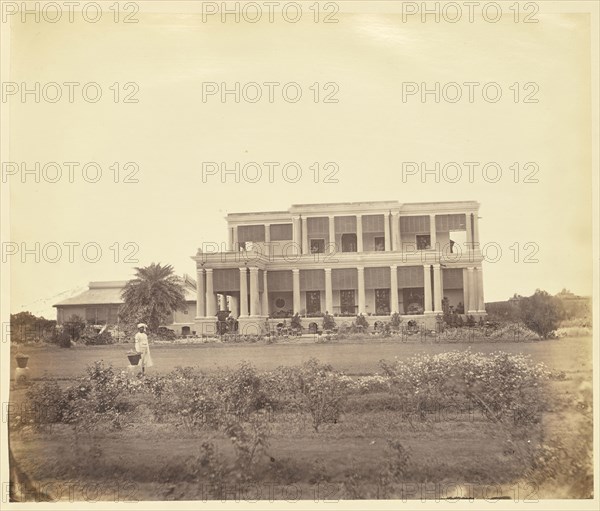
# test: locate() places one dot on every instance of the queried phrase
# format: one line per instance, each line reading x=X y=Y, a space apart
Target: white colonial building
x=371 y=258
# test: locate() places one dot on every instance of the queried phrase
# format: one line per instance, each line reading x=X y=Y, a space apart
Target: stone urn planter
x=134 y=357
x=22 y=360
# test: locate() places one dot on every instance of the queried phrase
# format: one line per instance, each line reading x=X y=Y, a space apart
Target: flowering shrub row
x=497 y=384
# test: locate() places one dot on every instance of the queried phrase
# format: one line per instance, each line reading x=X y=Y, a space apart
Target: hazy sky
x=368 y=133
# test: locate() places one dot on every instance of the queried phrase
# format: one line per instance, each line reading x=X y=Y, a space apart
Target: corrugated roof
x=109 y=292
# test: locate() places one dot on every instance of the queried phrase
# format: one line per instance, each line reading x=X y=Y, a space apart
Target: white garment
x=142 y=346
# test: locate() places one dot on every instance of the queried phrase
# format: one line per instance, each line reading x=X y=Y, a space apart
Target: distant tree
x=25 y=326
x=541 y=312
x=152 y=296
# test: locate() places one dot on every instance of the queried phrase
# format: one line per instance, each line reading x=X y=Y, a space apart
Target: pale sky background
x=369 y=133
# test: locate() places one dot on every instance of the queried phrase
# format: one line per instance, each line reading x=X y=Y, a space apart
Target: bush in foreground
x=500 y=385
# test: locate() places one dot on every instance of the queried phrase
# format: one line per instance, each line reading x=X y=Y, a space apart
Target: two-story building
x=371 y=258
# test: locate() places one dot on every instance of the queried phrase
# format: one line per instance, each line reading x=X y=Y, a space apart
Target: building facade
x=371 y=258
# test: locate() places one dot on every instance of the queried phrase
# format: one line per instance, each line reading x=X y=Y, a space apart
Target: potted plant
x=134 y=357
x=22 y=360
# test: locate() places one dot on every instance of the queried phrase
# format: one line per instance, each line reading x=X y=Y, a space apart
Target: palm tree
x=153 y=295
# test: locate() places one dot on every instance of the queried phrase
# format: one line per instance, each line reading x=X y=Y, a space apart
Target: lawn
x=351 y=357
x=450 y=455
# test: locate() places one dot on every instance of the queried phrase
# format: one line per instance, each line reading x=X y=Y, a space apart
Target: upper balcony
x=326 y=233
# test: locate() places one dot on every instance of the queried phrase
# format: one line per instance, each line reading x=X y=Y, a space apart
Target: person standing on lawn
x=142 y=346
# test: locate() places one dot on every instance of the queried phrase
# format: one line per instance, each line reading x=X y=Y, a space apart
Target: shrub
x=328 y=322
x=383 y=328
x=75 y=326
x=100 y=397
x=250 y=442
x=323 y=392
x=71 y=330
x=164 y=334
x=47 y=403
x=395 y=321
x=62 y=337
x=394 y=468
x=241 y=390
x=499 y=385
x=295 y=322
x=312 y=387
x=191 y=397
x=574 y=331
x=514 y=332
x=92 y=338
x=541 y=312
x=361 y=322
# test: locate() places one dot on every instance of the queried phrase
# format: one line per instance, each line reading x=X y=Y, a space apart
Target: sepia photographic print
x=299 y=254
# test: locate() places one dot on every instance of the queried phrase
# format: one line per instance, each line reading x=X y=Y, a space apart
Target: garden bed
x=479 y=418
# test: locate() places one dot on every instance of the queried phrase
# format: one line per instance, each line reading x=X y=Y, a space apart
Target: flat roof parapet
x=364 y=207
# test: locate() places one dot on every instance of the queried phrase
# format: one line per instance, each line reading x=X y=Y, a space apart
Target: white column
x=432 y=231
x=267 y=240
x=437 y=289
x=359 y=234
x=386 y=231
x=211 y=303
x=466 y=294
x=480 y=301
x=396 y=245
x=243 y=292
x=472 y=291
x=230 y=239
x=475 y=231
x=296 y=289
x=235 y=247
x=427 y=288
x=361 y=289
x=328 y=291
x=296 y=234
x=200 y=303
x=233 y=306
x=469 y=232
x=332 y=247
x=254 y=298
x=304 y=236
x=222 y=302
x=265 y=295
x=394 y=306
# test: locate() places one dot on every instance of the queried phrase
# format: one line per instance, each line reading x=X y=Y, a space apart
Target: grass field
x=455 y=455
x=351 y=357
